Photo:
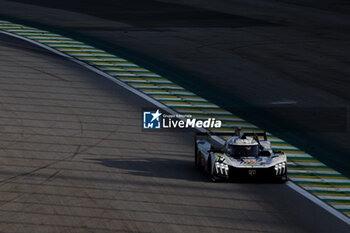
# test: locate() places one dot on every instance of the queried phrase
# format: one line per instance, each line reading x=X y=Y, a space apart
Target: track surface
x=295 y=51
x=73 y=159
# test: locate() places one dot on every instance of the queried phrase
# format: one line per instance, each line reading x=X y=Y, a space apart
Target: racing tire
x=197 y=161
x=282 y=179
x=210 y=170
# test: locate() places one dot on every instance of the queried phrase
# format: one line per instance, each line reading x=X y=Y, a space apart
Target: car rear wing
x=217 y=142
x=238 y=132
x=262 y=134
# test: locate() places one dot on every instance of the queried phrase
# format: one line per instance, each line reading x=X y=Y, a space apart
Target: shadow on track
x=169 y=169
x=156 y=167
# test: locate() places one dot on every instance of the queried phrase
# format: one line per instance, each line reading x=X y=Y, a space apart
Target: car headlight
x=280 y=168
x=221 y=168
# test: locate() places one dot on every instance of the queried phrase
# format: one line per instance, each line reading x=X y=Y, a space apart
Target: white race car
x=243 y=156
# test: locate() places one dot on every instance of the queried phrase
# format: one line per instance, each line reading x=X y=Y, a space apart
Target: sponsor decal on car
x=249 y=161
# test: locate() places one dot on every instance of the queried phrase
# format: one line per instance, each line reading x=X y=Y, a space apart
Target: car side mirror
x=265 y=153
x=215 y=149
x=277 y=152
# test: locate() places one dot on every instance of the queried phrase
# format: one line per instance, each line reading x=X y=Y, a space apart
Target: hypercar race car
x=243 y=156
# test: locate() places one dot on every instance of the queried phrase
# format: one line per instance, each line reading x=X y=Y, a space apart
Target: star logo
x=156 y=115
x=152 y=119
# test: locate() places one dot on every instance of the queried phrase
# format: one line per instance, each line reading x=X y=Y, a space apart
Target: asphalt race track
x=74 y=159
x=267 y=56
x=73 y=156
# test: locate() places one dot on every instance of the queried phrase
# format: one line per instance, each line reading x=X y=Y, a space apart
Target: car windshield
x=242 y=151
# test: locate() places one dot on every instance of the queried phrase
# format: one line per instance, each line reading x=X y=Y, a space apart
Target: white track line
x=290 y=184
x=318 y=202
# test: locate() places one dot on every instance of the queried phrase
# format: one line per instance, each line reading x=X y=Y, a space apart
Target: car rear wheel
x=210 y=170
x=197 y=161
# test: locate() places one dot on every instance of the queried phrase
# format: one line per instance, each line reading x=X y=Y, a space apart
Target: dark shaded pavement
x=74 y=159
x=275 y=55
